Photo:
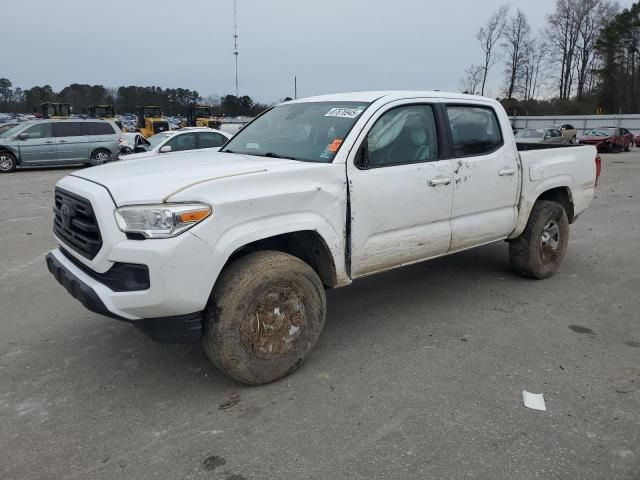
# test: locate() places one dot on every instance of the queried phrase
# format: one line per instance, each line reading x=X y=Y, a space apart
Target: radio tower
x=235 y=40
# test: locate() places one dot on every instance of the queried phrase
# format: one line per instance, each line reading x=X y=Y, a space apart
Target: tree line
x=173 y=101
x=583 y=61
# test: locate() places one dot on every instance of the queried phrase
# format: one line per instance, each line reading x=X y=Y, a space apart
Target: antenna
x=235 y=40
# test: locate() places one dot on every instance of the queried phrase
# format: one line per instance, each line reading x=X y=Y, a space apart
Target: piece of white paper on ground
x=534 y=401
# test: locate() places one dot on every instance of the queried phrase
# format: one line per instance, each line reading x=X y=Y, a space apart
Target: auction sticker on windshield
x=344 y=112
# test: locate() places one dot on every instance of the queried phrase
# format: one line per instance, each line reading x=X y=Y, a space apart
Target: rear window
x=67 y=129
x=474 y=130
x=99 y=128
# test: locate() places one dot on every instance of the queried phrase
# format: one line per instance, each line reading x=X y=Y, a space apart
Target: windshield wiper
x=276 y=155
x=227 y=151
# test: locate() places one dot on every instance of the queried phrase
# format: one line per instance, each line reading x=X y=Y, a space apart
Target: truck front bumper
x=91 y=292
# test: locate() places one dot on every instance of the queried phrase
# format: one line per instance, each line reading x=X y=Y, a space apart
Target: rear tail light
x=598 y=167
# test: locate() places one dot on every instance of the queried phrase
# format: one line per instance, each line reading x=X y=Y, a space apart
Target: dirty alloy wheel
x=7 y=162
x=99 y=157
x=264 y=316
x=539 y=250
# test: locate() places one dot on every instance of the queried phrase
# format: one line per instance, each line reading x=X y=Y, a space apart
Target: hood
x=134 y=156
x=151 y=180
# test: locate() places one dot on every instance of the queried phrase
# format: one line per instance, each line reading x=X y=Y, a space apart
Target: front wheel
x=264 y=316
x=539 y=250
x=7 y=162
x=99 y=157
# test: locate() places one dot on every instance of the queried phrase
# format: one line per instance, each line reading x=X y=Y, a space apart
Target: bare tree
x=516 y=36
x=591 y=17
x=562 y=35
x=472 y=79
x=488 y=36
x=533 y=67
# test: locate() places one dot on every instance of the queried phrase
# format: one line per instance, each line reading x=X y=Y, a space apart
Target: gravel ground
x=419 y=373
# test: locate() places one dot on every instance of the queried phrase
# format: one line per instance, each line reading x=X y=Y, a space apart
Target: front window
x=157 y=139
x=154 y=112
x=185 y=141
x=39 y=130
x=308 y=131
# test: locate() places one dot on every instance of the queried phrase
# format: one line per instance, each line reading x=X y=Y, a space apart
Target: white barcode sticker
x=344 y=112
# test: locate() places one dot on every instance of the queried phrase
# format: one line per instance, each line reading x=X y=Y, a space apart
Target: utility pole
x=295 y=87
x=235 y=40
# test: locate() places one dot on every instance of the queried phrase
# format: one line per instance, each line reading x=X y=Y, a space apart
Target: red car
x=609 y=139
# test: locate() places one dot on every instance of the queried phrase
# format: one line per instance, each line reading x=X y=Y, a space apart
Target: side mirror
x=140 y=149
x=165 y=149
x=23 y=136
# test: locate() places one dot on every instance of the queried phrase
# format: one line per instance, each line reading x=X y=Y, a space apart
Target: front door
x=39 y=146
x=401 y=192
x=73 y=145
x=486 y=176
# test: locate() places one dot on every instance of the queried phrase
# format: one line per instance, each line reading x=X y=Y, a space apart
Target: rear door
x=71 y=141
x=400 y=188
x=485 y=175
x=40 y=146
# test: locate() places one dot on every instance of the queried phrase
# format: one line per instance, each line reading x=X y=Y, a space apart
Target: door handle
x=62 y=141
x=507 y=172
x=49 y=142
x=434 y=182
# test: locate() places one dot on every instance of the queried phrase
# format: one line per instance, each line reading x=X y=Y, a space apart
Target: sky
x=329 y=45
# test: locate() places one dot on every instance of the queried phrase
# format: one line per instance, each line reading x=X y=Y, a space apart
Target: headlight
x=161 y=221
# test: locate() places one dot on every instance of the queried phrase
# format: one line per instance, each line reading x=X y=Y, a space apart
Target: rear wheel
x=8 y=162
x=539 y=250
x=99 y=157
x=264 y=317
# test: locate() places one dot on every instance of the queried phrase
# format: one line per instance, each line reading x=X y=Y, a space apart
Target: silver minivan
x=58 y=142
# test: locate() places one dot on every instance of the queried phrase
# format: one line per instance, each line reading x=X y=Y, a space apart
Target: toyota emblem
x=65 y=215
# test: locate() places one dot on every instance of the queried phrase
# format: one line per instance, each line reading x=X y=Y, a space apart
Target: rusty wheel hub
x=274 y=323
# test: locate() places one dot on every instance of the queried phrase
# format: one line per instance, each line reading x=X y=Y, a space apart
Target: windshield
x=308 y=131
x=202 y=112
x=158 y=138
x=530 y=133
x=600 y=132
x=102 y=112
x=152 y=112
x=12 y=130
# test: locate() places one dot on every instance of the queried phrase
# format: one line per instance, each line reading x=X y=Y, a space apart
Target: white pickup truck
x=237 y=247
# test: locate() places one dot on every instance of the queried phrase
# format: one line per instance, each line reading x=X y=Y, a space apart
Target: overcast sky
x=330 y=45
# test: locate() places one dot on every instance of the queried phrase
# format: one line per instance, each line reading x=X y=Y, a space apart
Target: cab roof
x=389 y=95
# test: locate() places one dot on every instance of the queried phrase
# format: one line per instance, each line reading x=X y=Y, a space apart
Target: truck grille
x=75 y=223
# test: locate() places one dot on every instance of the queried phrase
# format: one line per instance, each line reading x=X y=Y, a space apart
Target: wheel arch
x=560 y=194
x=307 y=245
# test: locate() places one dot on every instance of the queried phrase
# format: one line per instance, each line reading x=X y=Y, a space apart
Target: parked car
x=180 y=140
x=133 y=142
x=58 y=142
x=609 y=139
x=235 y=248
x=540 y=135
x=569 y=132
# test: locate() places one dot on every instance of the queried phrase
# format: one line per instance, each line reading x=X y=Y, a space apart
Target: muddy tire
x=539 y=250
x=8 y=162
x=264 y=316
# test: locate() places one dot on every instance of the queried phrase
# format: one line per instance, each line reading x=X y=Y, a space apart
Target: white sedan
x=179 y=141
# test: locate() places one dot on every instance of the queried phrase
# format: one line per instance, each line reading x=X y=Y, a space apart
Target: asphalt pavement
x=419 y=373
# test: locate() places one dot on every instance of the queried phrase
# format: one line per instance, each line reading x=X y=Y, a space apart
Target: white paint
x=398 y=215
x=534 y=401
